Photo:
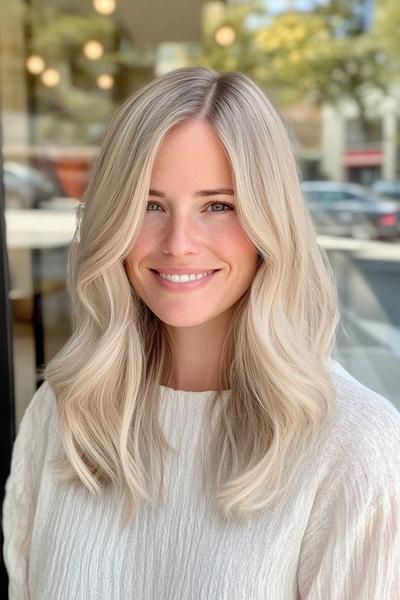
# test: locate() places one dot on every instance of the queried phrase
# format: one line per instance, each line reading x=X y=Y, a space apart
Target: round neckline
x=188 y=393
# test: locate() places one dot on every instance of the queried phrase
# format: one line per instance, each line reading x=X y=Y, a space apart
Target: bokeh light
x=225 y=35
x=104 y=7
x=93 y=50
x=50 y=77
x=105 y=82
x=35 y=64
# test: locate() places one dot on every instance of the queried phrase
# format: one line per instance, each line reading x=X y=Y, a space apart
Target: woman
x=194 y=439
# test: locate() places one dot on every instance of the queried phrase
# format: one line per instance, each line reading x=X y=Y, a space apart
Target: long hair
x=276 y=353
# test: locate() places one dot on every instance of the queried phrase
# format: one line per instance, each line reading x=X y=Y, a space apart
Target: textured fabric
x=333 y=536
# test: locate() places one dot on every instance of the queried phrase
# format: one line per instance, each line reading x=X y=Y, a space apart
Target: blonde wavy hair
x=276 y=354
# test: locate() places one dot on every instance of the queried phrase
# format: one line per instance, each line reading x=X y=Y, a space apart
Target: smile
x=184 y=277
x=184 y=281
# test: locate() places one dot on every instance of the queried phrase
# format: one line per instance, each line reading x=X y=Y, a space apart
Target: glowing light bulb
x=35 y=64
x=104 y=7
x=93 y=50
x=105 y=82
x=50 y=77
x=225 y=35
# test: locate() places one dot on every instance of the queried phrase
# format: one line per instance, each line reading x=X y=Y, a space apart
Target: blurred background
x=330 y=67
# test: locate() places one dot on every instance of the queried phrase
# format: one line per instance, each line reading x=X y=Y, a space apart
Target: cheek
x=143 y=244
x=134 y=257
x=238 y=246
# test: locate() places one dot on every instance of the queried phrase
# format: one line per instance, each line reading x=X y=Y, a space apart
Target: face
x=190 y=228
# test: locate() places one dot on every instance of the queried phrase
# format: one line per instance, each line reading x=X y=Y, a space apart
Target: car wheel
x=363 y=231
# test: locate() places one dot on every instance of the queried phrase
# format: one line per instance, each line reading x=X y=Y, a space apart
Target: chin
x=181 y=321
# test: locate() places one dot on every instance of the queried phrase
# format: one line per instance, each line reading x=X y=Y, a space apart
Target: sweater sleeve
x=21 y=490
x=351 y=547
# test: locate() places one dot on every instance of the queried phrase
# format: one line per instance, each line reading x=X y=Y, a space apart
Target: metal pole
x=7 y=405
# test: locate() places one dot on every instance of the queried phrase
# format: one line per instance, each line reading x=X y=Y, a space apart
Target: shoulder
x=360 y=409
x=43 y=401
x=351 y=543
x=31 y=443
x=363 y=438
x=38 y=416
x=23 y=482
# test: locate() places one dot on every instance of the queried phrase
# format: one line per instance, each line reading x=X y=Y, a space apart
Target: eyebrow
x=201 y=193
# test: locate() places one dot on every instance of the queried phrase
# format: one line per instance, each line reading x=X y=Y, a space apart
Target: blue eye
x=226 y=207
x=224 y=204
x=154 y=203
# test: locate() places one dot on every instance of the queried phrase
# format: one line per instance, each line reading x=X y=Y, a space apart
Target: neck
x=196 y=355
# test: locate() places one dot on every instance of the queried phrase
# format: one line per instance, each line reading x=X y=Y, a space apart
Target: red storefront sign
x=362 y=158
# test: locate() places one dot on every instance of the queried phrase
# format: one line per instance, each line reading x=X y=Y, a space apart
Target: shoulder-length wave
x=277 y=349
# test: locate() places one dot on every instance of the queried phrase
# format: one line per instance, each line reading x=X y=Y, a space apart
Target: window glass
x=65 y=67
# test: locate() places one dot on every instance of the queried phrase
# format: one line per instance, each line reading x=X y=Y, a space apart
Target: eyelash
x=211 y=204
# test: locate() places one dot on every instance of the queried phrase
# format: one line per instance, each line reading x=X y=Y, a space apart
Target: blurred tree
x=316 y=56
x=240 y=52
x=326 y=55
x=76 y=108
x=387 y=27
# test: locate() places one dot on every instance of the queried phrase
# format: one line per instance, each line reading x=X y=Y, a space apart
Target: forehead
x=191 y=156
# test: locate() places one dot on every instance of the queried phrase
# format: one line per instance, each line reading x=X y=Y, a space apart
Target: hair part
x=277 y=348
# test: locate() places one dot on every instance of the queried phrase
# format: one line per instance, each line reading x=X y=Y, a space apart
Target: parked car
x=351 y=210
x=27 y=187
x=388 y=189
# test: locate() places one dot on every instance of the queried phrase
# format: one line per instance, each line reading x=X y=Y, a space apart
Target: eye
x=154 y=204
x=224 y=204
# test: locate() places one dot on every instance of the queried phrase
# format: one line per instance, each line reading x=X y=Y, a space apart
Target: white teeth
x=184 y=278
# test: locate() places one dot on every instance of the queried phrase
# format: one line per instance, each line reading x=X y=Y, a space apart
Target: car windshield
x=387 y=189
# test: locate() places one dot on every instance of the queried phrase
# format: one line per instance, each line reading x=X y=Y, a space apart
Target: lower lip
x=181 y=287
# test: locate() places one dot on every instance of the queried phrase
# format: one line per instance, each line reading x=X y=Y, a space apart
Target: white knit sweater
x=334 y=536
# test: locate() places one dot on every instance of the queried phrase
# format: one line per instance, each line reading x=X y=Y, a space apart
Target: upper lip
x=182 y=270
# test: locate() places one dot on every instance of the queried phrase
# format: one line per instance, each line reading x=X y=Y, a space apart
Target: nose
x=180 y=236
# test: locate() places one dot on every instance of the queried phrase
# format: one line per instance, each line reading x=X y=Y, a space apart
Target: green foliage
x=324 y=55
x=387 y=27
x=76 y=109
x=68 y=32
x=243 y=55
